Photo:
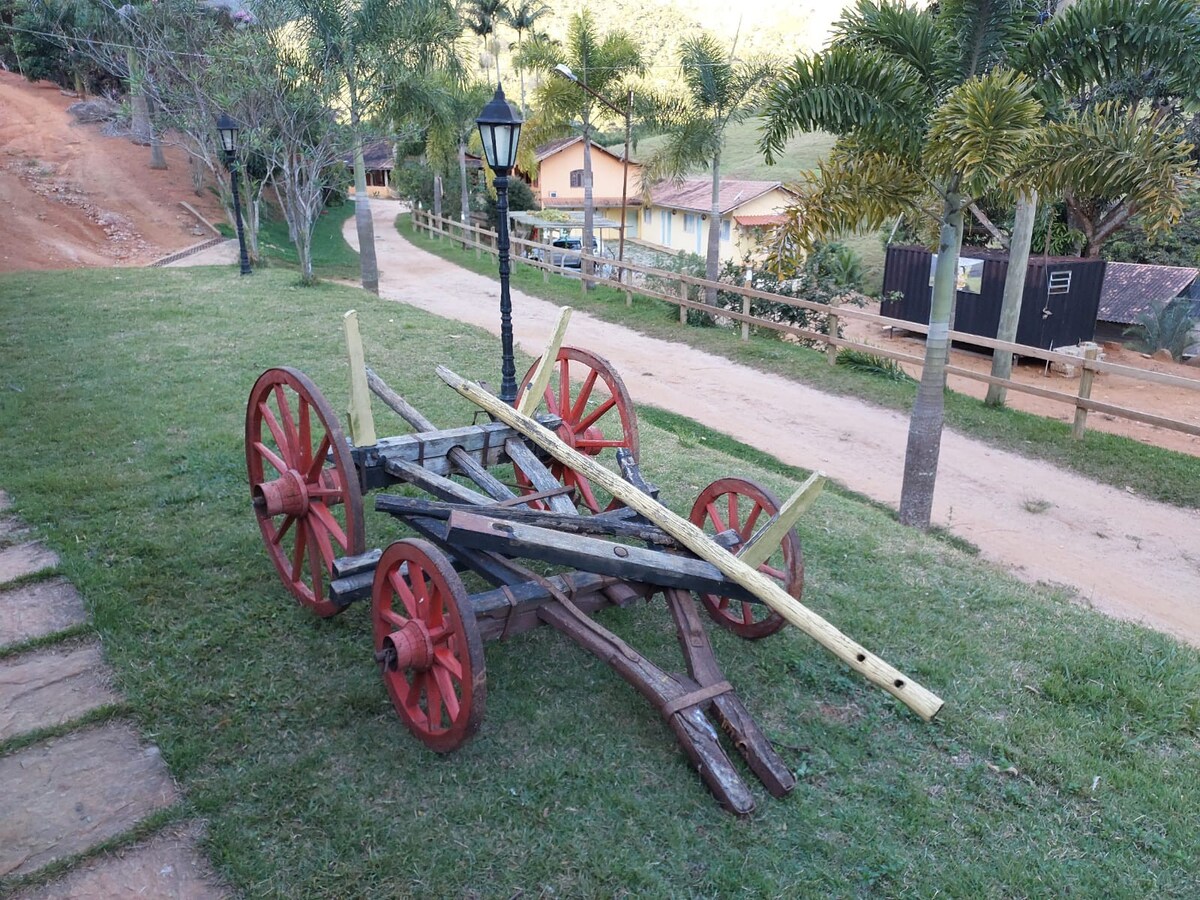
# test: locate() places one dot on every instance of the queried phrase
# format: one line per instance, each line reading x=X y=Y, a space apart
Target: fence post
x=477 y=240
x=682 y=308
x=831 y=350
x=1085 y=393
x=745 y=312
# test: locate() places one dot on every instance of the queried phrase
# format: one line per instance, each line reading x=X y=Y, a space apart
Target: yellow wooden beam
x=920 y=700
x=529 y=400
x=767 y=539
x=362 y=421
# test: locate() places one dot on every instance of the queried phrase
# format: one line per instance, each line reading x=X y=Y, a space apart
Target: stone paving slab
x=12 y=530
x=25 y=559
x=38 y=609
x=63 y=796
x=50 y=687
x=5 y=502
x=168 y=866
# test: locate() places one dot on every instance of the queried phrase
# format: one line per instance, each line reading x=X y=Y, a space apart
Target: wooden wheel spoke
x=601 y=444
x=285 y=415
x=321 y=536
x=734 y=520
x=585 y=392
x=748 y=525
x=306 y=432
x=777 y=574
x=314 y=564
x=318 y=461
x=564 y=388
x=585 y=491
x=584 y=424
x=287 y=523
x=747 y=613
x=321 y=512
x=393 y=618
x=449 y=697
x=447 y=660
x=400 y=586
x=265 y=452
x=433 y=700
x=715 y=515
x=277 y=432
x=298 y=553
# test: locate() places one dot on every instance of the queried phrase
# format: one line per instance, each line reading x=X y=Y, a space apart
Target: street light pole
x=565 y=71
x=228 y=127
x=500 y=131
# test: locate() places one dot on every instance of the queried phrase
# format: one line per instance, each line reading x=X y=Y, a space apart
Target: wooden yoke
x=920 y=700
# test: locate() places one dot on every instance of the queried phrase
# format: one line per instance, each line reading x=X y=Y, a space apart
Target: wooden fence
x=622 y=275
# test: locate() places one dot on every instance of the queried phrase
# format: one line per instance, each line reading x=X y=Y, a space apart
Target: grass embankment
x=1065 y=760
x=1163 y=475
x=332 y=256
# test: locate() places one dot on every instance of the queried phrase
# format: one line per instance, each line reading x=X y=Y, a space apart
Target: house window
x=724 y=229
x=1060 y=282
x=577 y=178
x=646 y=215
x=689 y=223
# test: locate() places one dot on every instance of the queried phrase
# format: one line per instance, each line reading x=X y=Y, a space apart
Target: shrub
x=1167 y=324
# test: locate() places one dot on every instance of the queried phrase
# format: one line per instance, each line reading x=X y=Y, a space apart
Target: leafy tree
x=451 y=130
x=601 y=63
x=1180 y=246
x=718 y=91
x=378 y=53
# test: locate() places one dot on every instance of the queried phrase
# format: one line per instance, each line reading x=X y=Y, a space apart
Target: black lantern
x=500 y=130
x=228 y=128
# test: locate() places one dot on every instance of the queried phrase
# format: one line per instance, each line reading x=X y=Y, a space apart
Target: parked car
x=565 y=252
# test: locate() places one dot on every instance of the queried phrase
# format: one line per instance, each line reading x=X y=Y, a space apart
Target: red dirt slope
x=71 y=197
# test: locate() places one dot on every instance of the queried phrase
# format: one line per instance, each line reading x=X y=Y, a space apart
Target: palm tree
x=377 y=52
x=521 y=18
x=451 y=129
x=928 y=114
x=480 y=17
x=599 y=64
x=718 y=91
x=927 y=120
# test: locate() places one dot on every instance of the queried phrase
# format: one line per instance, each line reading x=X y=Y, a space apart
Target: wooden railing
x=625 y=275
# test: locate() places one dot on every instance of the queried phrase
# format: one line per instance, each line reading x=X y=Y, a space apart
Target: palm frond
x=1098 y=41
x=845 y=91
x=982 y=34
x=982 y=128
x=1105 y=152
x=898 y=30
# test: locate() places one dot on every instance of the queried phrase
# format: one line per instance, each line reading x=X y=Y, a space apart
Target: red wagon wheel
x=303 y=484
x=428 y=644
x=597 y=415
x=745 y=506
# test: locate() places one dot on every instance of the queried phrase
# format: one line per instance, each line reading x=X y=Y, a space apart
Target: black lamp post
x=228 y=127
x=500 y=130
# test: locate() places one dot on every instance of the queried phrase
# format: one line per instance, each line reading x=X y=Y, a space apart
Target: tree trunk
x=521 y=72
x=465 y=195
x=157 y=159
x=712 y=261
x=362 y=217
x=1014 y=290
x=588 y=211
x=925 y=426
x=437 y=196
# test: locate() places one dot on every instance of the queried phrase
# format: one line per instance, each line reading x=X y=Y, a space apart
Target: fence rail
x=620 y=274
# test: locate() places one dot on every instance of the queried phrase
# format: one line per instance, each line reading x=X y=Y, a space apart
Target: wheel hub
x=286 y=495
x=410 y=647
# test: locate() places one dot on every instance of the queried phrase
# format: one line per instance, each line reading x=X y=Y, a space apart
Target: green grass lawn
x=1065 y=760
x=332 y=256
x=1162 y=475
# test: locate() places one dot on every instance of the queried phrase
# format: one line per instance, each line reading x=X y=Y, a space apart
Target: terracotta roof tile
x=1130 y=288
x=696 y=193
x=758 y=221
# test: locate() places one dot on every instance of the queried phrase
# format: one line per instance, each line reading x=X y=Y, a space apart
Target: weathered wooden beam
x=588 y=554
x=529 y=400
x=766 y=540
x=537 y=473
x=922 y=701
x=458 y=456
x=433 y=483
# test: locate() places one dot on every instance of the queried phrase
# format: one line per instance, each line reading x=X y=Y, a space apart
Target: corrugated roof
x=376 y=155
x=696 y=193
x=1130 y=288
x=759 y=221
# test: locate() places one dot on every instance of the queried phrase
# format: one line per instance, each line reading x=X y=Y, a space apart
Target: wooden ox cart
x=517 y=489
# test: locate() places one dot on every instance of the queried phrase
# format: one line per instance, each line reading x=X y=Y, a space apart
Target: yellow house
x=678 y=215
x=559 y=182
x=380 y=158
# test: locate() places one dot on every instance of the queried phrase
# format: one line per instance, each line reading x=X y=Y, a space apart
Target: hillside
x=73 y=197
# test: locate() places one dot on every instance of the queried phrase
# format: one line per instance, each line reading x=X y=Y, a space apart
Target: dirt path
x=1126 y=556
